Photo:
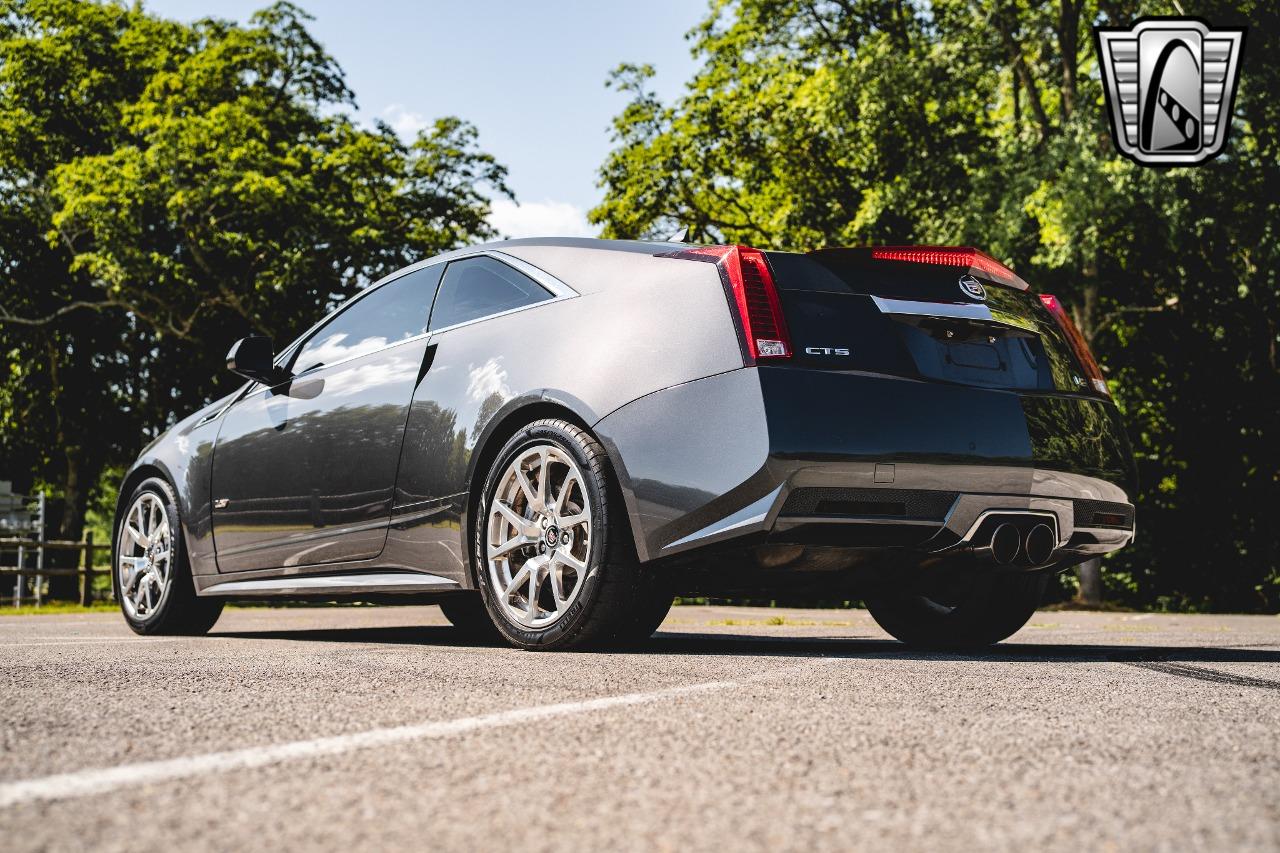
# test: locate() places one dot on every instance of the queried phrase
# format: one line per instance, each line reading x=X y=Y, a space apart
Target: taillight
x=746 y=276
x=1092 y=372
x=951 y=256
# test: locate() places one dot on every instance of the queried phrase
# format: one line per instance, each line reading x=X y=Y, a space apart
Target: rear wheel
x=554 y=561
x=652 y=606
x=151 y=576
x=967 y=611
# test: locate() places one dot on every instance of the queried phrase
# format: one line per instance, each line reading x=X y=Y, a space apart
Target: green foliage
x=166 y=188
x=843 y=122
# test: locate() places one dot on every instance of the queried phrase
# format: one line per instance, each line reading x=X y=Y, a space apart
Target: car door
x=303 y=472
x=475 y=344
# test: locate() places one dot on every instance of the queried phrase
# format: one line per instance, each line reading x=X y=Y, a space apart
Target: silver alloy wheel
x=145 y=562
x=538 y=536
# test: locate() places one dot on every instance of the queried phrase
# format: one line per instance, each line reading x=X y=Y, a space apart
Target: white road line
x=82 y=783
x=16 y=622
x=115 y=637
x=92 y=641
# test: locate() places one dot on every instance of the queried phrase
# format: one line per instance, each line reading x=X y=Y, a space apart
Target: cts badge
x=1170 y=83
x=827 y=350
x=972 y=288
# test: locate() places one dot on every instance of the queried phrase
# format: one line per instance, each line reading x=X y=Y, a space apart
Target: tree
x=813 y=123
x=166 y=188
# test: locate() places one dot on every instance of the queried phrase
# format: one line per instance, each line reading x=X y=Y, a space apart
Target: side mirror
x=253 y=358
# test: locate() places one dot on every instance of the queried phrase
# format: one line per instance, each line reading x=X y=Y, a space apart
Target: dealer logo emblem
x=1170 y=84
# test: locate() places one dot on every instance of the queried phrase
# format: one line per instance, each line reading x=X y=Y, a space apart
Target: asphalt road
x=357 y=728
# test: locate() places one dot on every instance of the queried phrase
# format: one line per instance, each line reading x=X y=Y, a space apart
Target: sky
x=530 y=75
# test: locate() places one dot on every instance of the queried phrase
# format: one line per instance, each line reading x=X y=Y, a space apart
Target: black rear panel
x=925 y=504
x=846 y=312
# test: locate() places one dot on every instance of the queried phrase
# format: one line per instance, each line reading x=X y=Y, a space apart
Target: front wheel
x=968 y=611
x=554 y=561
x=151 y=576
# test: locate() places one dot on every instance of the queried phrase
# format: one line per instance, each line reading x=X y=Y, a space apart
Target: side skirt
x=397 y=583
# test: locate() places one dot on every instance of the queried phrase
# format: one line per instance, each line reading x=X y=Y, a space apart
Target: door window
x=479 y=287
x=393 y=312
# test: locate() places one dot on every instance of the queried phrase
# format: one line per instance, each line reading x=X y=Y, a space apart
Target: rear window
x=481 y=287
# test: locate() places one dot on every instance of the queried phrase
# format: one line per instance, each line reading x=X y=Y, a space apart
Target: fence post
x=86 y=580
x=17 y=579
x=40 y=553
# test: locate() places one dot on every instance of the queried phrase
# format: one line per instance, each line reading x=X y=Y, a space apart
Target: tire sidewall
x=597 y=493
x=998 y=607
x=178 y=556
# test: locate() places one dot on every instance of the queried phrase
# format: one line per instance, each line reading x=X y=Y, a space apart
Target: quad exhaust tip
x=1006 y=543
x=1039 y=545
x=1009 y=545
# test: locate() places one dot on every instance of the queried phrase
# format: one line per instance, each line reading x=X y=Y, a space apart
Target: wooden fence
x=86 y=571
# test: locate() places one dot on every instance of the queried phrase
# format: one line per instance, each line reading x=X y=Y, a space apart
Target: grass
x=782 y=620
x=1102 y=607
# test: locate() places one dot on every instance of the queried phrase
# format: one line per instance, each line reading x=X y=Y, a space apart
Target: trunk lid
x=973 y=324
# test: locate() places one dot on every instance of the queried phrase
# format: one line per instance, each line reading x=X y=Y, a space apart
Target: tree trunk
x=1017 y=101
x=70 y=526
x=75 y=485
x=1069 y=45
x=1090 y=575
x=1023 y=74
x=1085 y=313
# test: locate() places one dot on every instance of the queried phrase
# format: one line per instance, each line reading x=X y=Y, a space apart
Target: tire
x=655 y=600
x=468 y=614
x=992 y=607
x=600 y=600
x=159 y=597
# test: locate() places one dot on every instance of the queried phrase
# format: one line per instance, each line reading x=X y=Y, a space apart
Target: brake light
x=751 y=291
x=1092 y=372
x=951 y=256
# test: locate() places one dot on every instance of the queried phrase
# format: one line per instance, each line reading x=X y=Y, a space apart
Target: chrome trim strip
x=303 y=584
x=754 y=513
x=213 y=416
x=951 y=310
x=541 y=276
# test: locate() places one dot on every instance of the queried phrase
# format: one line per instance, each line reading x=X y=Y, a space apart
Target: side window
x=478 y=287
x=395 y=311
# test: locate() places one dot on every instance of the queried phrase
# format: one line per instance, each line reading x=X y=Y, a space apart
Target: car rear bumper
x=774 y=454
x=937 y=521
